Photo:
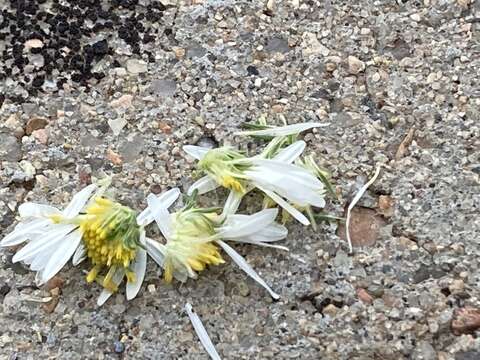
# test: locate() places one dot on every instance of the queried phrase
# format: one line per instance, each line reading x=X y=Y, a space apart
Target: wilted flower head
x=277 y=177
x=194 y=237
x=92 y=226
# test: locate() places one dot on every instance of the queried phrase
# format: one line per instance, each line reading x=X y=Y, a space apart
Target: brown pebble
x=114 y=157
x=55 y=282
x=466 y=320
x=41 y=135
x=364 y=296
x=35 y=124
x=385 y=205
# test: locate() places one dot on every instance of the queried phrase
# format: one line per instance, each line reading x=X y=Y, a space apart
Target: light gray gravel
x=373 y=70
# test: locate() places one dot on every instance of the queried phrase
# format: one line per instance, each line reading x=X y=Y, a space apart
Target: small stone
x=35 y=124
x=385 y=205
x=117 y=125
x=277 y=108
x=415 y=17
x=28 y=169
x=466 y=320
x=467 y=355
x=151 y=288
x=424 y=351
x=277 y=45
x=12 y=122
x=407 y=244
x=124 y=101
x=457 y=286
x=243 y=289
x=118 y=347
x=114 y=157
x=355 y=65
x=41 y=136
x=311 y=45
x=164 y=87
x=135 y=66
x=464 y=3
x=55 y=282
x=33 y=44
x=330 y=310
x=364 y=296
x=376 y=290
x=165 y=128
x=179 y=52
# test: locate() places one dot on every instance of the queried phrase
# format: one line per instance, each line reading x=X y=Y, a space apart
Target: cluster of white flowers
x=112 y=236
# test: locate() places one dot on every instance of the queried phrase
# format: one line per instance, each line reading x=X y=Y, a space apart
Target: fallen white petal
x=139 y=266
x=289 y=208
x=247 y=225
x=23 y=233
x=290 y=153
x=198 y=152
x=167 y=199
x=203 y=185
x=61 y=255
x=202 y=333
x=116 y=279
x=54 y=236
x=30 y=209
x=292 y=129
x=78 y=201
x=357 y=197
x=155 y=250
x=242 y=263
x=160 y=214
x=80 y=255
x=231 y=204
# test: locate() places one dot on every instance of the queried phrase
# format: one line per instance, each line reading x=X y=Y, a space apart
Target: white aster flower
x=277 y=177
x=121 y=245
x=53 y=236
x=194 y=237
x=92 y=226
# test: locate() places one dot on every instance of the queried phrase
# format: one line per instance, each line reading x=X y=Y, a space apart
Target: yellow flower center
x=111 y=237
x=191 y=246
x=231 y=183
x=227 y=167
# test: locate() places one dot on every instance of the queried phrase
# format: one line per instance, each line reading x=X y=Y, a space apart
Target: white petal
x=289 y=208
x=160 y=214
x=264 y=244
x=56 y=235
x=61 y=255
x=202 y=333
x=78 y=201
x=282 y=130
x=242 y=263
x=139 y=266
x=116 y=279
x=167 y=199
x=23 y=232
x=271 y=233
x=155 y=250
x=80 y=255
x=231 y=204
x=354 y=202
x=289 y=181
x=291 y=152
x=248 y=225
x=198 y=152
x=203 y=185
x=30 y=209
